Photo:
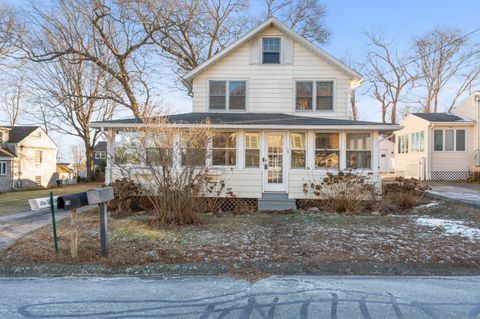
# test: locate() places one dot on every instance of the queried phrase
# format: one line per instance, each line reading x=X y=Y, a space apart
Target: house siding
x=271 y=88
x=6 y=180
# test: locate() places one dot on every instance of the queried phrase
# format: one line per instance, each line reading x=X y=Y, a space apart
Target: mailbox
x=73 y=201
x=99 y=195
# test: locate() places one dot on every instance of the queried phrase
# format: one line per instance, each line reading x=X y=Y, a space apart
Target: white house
x=280 y=106
x=32 y=157
x=387 y=154
x=439 y=146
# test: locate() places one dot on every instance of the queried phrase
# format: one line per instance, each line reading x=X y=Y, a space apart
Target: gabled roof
x=19 y=133
x=272 y=22
x=266 y=120
x=6 y=153
x=442 y=117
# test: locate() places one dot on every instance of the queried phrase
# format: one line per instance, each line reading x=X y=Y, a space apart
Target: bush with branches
x=402 y=194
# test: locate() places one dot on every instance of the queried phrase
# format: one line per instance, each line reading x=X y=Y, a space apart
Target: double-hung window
x=271 y=50
x=298 y=150
x=224 y=149
x=449 y=140
x=327 y=150
x=314 y=95
x=38 y=157
x=227 y=95
x=252 y=149
x=194 y=152
x=3 y=168
x=158 y=150
x=359 y=150
x=124 y=148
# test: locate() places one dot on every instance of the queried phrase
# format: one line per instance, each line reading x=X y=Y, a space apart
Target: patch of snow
x=451 y=227
x=428 y=205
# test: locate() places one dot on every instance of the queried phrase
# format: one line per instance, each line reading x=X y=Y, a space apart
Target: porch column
x=343 y=150
x=241 y=149
x=110 y=156
x=375 y=152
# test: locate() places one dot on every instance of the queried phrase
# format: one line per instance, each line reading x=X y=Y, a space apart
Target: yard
x=16 y=201
x=442 y=237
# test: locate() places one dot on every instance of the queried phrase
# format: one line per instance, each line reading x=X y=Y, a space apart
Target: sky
x=399 y=20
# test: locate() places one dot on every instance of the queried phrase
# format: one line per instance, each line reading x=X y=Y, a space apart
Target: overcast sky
x=347 y=19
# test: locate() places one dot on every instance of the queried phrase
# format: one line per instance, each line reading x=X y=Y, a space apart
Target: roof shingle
x=441 y=117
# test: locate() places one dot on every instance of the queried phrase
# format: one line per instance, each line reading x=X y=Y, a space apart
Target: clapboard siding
x=271 y=88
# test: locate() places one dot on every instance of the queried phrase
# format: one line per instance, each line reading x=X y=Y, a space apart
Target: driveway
x=221 y=297
x=467 y=193
x=15 y=226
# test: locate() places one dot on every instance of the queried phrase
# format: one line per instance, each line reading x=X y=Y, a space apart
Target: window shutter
x=254 y=51
x=287 y=51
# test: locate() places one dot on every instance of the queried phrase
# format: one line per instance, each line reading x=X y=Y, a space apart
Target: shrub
x=126 y=198
x=474 y=176
x=345 y=192
x=402 y=194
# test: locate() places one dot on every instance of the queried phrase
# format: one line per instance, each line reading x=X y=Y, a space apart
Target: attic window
x=271 y=50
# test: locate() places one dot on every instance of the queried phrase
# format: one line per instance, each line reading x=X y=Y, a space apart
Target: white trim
x=289 y=32
x=283 y=187
x=280 y=55
x=454 y=139
x=4 y=170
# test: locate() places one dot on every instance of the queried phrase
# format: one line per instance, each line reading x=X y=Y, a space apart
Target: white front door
x=384 y=158
x=275 y=162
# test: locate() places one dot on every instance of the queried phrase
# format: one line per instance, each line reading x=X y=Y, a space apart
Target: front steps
x=276 y=201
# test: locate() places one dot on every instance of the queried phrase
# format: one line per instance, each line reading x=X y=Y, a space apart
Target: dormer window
x=271 y=50
x=228 y=95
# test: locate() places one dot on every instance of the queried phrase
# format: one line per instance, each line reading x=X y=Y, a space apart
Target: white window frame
x=371 y=151
x=280 y=55
x=3 y=168
x=35 y=157
x=227 y=97
x=260 y=139
x=314 y=93
x=340 y=151
x=454 y=140
x=210 y=150
x=290 y=149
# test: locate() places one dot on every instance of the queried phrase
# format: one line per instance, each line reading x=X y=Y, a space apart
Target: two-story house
x=280 y=106
x=27 y=158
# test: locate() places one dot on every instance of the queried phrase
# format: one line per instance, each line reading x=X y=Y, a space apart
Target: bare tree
x=388 y=74
x=12 y=100
x=306 y=17
x=444 y=57
x=105 y=33
x=10 y=31
x=78 y=157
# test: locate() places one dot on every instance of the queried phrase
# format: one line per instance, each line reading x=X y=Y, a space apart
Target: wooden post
x=104 y=228
x=74 y=234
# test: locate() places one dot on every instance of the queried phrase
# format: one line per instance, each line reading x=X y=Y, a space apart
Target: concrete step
x=276 y=201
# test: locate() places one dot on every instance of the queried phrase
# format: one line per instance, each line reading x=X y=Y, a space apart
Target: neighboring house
x=436 y=146
x=6 y=164
x=33 y=156
x=282 y=104
x=99 y=153
x=387 y=154
x=65 y=174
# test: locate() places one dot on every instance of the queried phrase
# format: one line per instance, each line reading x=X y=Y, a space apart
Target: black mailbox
x=72 y=201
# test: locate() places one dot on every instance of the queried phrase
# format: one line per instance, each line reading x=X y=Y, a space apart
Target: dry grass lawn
x=16 y=201
x=299 y=238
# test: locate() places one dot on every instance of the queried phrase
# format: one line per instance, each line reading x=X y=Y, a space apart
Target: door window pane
x=275 y=159
x=237 y=95
x=298 y=150
x=438 y=140
x=304 y=95
x=449 y=140
x=324 y=95
x=218 y=99
x=460 y=140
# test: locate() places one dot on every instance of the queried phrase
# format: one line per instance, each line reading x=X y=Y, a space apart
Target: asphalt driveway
x=221 y=297
x=464 y=192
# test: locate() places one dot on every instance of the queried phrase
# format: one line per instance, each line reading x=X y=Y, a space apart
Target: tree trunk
x=89 y=160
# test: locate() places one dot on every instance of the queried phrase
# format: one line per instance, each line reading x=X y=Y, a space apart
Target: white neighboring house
x=387 y=154
x=33 y=157
x=282 y=104
x=437 y=146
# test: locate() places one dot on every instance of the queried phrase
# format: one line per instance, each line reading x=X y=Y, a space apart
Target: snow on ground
x=432 y=204
x=451 y=227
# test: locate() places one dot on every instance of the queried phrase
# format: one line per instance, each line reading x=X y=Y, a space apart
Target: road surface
x=222 y=297
x=467 y=193
x=15 y=226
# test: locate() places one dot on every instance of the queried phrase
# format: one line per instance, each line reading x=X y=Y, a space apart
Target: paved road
x=220 y=297
x=468 y=193
x=15 y=226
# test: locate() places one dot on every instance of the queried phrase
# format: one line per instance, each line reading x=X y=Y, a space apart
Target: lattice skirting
x=307 y=203
x=450 y=175
x=230 y=204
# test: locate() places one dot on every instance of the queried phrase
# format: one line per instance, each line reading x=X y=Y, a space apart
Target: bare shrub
x=474 y=176
x=126 y=198
x=169 y=164
x=344 y=192
x=402 y=194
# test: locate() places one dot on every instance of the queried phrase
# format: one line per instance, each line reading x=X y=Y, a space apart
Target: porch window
x=252 y=150
x=324 y=96
x=3 y=168
x=124 y=148
x=327 y=150
x=158 y=156
x=304 y=95
x=224 y=149
x=449 y=140
x=418 y=142
x=271 y=50
x=403 y=144
x=194 y=152
x=228 y=95
x=297 y=150
x=359 y=150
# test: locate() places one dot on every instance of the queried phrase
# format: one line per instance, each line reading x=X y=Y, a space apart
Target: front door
x=274 y=162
